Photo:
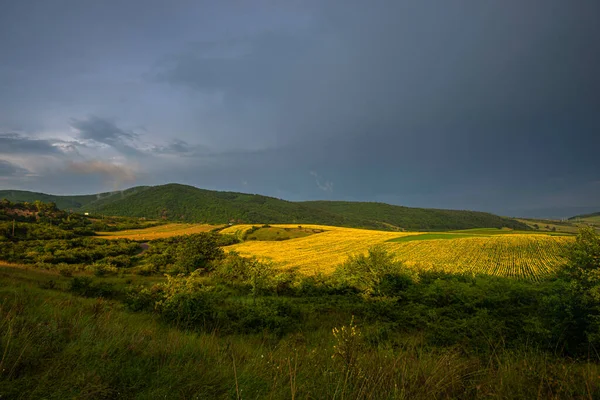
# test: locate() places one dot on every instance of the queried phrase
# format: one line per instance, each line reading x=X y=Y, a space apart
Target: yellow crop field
x=158 y=232
x=514 y=255
x=320 y=252
x=520 y=256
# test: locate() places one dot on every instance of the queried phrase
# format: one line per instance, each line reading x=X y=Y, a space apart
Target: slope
x=177 y=202
x=591 y=215
x=62 y=202
x=187 y=203
x=416 y=218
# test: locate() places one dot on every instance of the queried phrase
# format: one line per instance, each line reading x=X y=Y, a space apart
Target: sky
x=481 y=105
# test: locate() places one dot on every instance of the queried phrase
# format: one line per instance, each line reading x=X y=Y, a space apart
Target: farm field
x=158 y=232
x=592 y=220
x=517 y=255
x=547 y=224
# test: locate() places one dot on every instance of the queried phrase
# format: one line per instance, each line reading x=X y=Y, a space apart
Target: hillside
x=186 y=203
x=76 y=202
x=592 y=218
x=177 y=202
x=62 y=202
x=415 y=218
x=585 y=216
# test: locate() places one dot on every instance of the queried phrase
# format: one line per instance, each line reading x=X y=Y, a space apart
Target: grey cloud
x=10 y=170
x=424 y=97
x=104 y=131
x=14 y=143
x=181 y=148
x=485 y=105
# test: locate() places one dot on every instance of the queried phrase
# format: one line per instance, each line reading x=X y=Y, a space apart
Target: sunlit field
x=518 y=254
x=158 y=232
x=512 y=255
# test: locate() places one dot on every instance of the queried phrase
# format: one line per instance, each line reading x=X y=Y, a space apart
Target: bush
x=246 y=272
x=186 y=302
x=101 y=269
x=146 y=269
x=198 y=252
x=85 y=286
x=66 y=270
x=277 y=316
x=579 y=313
x=141 y=298
x=227 y=240
x=368 y=273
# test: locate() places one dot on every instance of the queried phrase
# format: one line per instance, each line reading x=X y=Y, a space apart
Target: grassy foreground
x=57 y=345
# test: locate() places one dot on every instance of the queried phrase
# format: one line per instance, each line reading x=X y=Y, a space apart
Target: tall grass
x=55 y=345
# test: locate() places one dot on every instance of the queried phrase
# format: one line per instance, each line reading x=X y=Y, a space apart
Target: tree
x=368 y=272
x=198 y=251
x=583 y=265
x=582 y=301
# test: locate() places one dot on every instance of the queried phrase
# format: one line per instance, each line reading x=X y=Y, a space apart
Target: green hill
x=415 y=218
x=62 y=202
x=593 y=218
x=177 y=202
x=75 y=203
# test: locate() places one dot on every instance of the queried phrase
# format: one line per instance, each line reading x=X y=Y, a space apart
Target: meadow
x=288 y=311
x=58 y=344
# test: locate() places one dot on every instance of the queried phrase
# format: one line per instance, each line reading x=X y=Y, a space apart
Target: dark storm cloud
x=181 y=148
x=14 y=143
x=10 y=170
x=484 y=105
x=104 y=131
x=400 y=96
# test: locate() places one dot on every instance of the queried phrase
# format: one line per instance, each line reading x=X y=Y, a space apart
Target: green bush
x=375 y=273
x=86 y=287
x=277 y=316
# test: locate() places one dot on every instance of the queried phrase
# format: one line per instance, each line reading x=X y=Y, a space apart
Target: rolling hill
x=414 y=218
x=62 y=202
x=593 y=218
x=175 y=202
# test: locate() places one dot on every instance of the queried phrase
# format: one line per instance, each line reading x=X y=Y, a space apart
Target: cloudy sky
x=485 y=105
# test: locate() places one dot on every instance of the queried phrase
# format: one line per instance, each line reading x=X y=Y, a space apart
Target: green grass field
x=592 y=220
x=504 y=231
x=58 y=345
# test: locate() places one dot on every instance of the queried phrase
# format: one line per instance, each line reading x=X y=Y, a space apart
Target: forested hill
x=75 y=203
x=186 y=203
x=62 y=202
x=415 y=218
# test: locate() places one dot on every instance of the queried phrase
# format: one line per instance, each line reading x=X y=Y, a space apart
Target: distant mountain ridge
x=176 y=202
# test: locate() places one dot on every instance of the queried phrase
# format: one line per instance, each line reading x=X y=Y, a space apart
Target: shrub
x=65 y=270
x=368 y=272
x=277 y=316
x=101 y=269
x=198 y=251
x=580 y=314
x=186 y=302
x=85 y=286
x=249 y=272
